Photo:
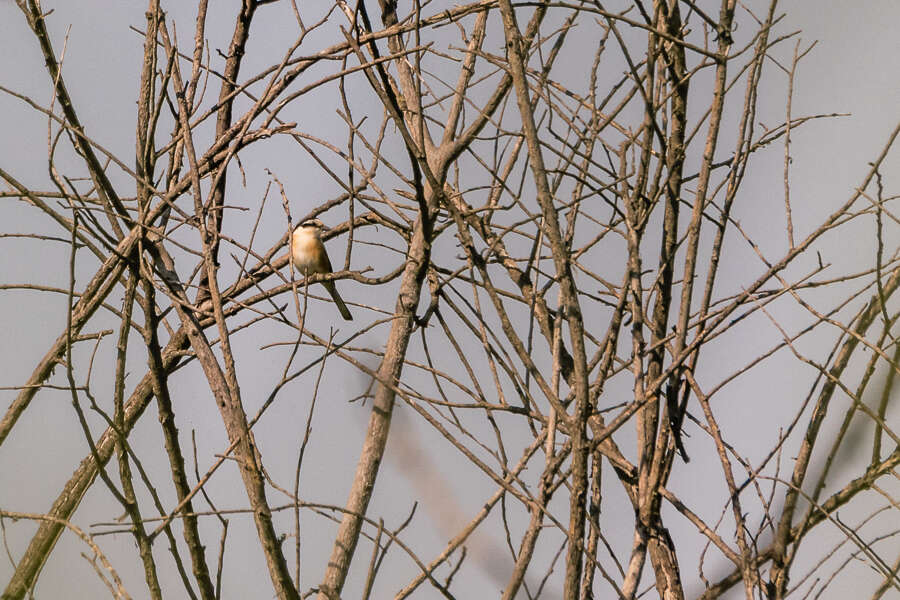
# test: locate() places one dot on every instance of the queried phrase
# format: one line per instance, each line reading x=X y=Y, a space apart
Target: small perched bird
x=308 y=255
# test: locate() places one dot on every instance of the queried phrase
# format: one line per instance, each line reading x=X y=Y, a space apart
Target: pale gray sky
x=853 y=69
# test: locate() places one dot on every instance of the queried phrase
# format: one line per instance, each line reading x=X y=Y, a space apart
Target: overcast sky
x=854 y=68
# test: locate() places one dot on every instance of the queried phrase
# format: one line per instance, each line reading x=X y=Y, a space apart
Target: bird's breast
x=305 y=252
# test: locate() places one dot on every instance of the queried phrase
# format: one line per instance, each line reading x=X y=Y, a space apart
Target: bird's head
x=312 y=225
x=310 y=228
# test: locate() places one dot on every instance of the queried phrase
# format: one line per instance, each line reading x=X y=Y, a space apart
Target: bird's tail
x=329 y=285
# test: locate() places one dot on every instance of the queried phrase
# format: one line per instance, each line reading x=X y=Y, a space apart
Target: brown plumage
x=310 y=258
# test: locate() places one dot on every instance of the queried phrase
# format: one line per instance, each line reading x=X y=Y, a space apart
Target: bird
x=309 y=256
